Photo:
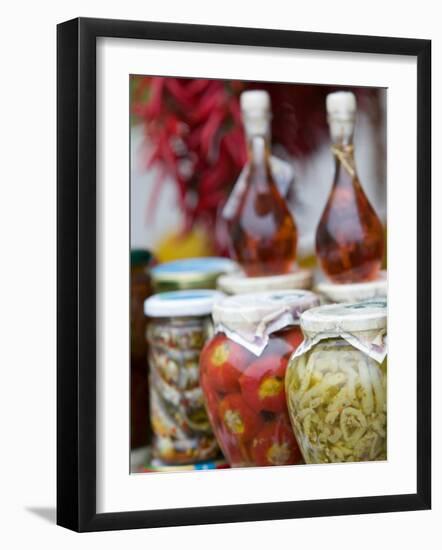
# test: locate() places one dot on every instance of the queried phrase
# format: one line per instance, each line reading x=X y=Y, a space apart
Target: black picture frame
x=76 y=273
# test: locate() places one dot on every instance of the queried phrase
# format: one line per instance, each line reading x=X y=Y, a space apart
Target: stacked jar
x=332 y=293
x=179 y=323
x=242 y=375
x=239 y=283
x=336 y=383
x=190 y=273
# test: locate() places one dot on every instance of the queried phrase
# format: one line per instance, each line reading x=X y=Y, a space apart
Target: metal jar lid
x=190 y=273
x=182 y=303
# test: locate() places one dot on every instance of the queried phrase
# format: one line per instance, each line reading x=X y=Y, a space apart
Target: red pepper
x=238 y=418
x=222 y=362
x=262 y=384
x=275 y=445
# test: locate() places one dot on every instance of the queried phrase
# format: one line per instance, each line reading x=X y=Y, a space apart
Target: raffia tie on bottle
x=344 y=153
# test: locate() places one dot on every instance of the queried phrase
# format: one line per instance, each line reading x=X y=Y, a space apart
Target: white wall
x=27 y=217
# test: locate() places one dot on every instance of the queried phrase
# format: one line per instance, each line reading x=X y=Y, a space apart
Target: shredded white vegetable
x=337 y=402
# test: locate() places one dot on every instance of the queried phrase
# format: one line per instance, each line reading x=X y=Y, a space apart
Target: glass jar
x=353 y=292
x=140 y=289
x=242 y=375
x=239 y=283
x=190 y=273
x=179 y=325
x=336 y=384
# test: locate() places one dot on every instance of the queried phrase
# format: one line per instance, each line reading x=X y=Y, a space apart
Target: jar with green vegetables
x=336 y=383
x=179 y=323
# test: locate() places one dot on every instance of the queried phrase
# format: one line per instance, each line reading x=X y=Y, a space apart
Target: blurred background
x=188 y=148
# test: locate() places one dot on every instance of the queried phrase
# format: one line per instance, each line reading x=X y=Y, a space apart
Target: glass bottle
x=262 y=230
x=349 y=237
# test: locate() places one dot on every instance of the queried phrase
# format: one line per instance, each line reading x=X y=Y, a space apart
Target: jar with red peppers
x=242 y=373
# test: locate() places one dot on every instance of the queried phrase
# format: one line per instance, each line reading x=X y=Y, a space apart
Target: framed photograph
x=243 y=224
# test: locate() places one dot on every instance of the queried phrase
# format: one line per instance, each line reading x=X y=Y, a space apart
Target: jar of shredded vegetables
x=336 y=383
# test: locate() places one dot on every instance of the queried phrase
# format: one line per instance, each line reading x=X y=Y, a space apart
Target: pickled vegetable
x=337 y=399
x=275 y=444
x=245 y=399
x=182 y=432
x=223 y=360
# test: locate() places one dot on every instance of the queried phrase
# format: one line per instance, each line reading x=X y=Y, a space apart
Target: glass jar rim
x=190 y=271
x=347 y=317
x=354 y=292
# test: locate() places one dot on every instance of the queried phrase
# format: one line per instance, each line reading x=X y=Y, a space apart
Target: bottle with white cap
x=262 y=230
x=257 y=116
x=350 y=236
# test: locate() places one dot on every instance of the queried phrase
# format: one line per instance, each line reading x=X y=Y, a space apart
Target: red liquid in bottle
x=349 y=237
x=263 y=231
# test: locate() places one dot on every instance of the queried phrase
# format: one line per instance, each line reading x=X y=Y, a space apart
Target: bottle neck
x=258 y=152
x=259 y=173
x=257 y=125
x=343 y=149
x=257 y=128
x=341 y=129
x=345 y=167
